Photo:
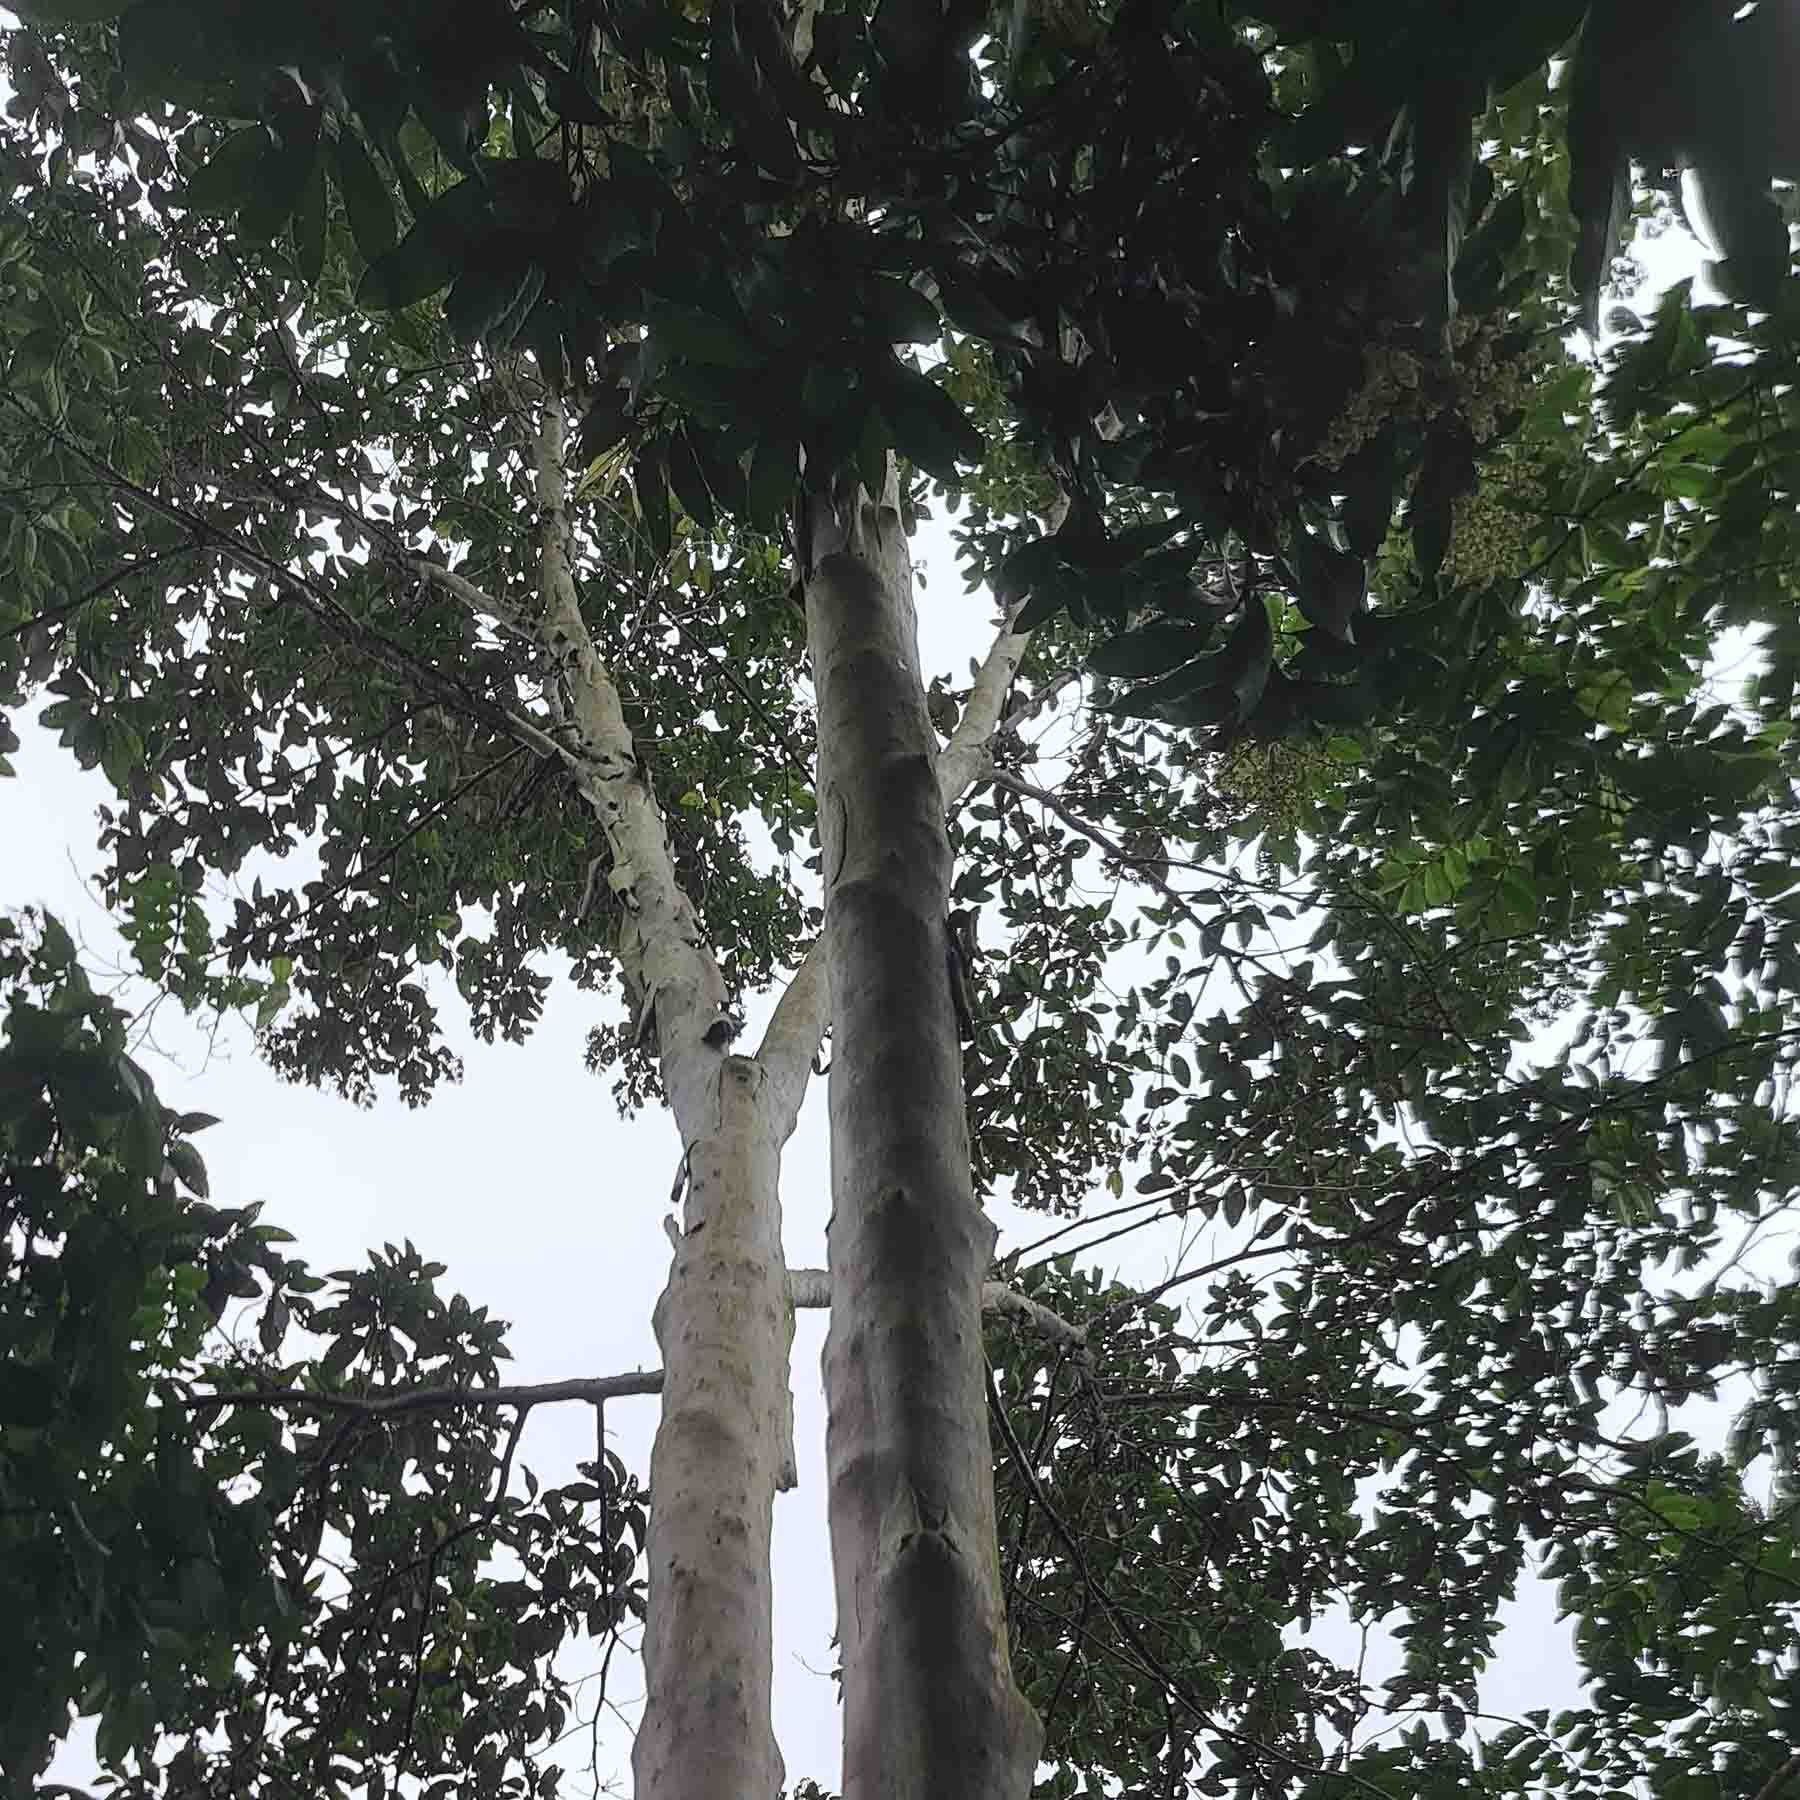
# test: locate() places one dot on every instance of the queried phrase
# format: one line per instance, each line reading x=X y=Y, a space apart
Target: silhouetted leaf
x=929 y=427
x=367 y=202
x=1149 y=650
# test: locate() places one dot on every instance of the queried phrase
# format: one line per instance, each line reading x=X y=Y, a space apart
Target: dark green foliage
x=168 y=406
x=271 y=1593
x=1355 y=565
x=1109 y=226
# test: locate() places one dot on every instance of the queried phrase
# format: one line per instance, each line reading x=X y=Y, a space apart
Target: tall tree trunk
x=724 y=1322
x=930 y=1707
x=723 y=1445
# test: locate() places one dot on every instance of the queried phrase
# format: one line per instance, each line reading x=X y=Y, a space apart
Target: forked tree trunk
x=930 y=1707
x=725 y=1440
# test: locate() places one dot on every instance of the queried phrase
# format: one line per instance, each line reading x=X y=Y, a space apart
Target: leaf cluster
x=252 y=1579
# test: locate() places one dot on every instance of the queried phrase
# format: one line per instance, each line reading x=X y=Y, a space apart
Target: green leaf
x=1443 y=164
x=968 y=306
x=1447 y=470
x=309 y=226
x=774 y=476
x=1330 y=585
x=1369 y=482
x=413 y=270
x=1151 y=649
x=1246 y=658
x=603 y=425
x=872 y=453
x=233 y=175
x=286 y=170
x=1487 y=250
x=689 y=483
x=649 y=477
x=699 y=337
x=928 y=426
x=489 y=302
x=367 y=203
x=189 y=1167
x=28 y=1394
x=1599 y=164
x=37 y=353
x=1027 y=568
x=898 y=311
x=442 y=238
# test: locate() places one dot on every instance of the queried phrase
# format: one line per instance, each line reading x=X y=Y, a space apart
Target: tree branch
x=811 y=1288
x=1779 y=1779
x=1053 y=803
x=332 y=616
x=476 y=599
x=672 y=980
x=794 y=1032
x=807 y=1287
x=964 y=757
x=1126 y=1626
x=590 y=1389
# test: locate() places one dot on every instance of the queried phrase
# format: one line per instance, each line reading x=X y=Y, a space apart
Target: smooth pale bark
x=724 y=1323
x=930 y=1707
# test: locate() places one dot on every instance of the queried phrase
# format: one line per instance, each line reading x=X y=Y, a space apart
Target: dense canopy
x=1368 y=862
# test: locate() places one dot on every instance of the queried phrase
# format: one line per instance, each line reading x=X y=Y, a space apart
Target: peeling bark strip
x=930 y=1708
x=724 y=1323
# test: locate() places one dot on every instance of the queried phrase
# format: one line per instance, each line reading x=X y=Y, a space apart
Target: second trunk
x=930 y=1707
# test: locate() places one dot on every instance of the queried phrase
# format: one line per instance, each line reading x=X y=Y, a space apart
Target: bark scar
x=843 y=837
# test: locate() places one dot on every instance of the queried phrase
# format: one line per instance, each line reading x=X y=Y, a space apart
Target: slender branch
x=360 y=877
x=672 y=978
x=808 y=1288
x=997 y=1297
x=502 y=1480
x=964 y=757
x=476 y=599
x=794 y=1032
x=93 y=592
x=722 y=665
x=591 y=1389
x=1127 y=1627
x=1053 y=803
x=330 y=613
x=1034 y=703
x=1779 y=1779
x=1385 y=1220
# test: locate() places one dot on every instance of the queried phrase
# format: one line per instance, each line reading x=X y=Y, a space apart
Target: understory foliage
x=1373 y=878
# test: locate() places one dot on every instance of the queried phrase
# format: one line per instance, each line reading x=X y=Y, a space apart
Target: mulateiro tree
x=481 y=442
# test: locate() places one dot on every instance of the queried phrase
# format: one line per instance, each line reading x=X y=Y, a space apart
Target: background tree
x=1528 y=773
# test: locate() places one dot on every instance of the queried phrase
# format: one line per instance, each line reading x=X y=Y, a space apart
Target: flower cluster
x=1490 y=527
x=1472 y=376
x=1266 y=782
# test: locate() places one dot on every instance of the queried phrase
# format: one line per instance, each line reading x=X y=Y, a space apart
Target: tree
x=779 y=239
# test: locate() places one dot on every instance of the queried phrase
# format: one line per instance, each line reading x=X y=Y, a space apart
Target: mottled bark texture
x=724 y=1322
x=930 y=1707
x=723 y=1445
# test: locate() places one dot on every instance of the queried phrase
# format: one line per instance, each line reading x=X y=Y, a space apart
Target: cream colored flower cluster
x=1470 y=377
